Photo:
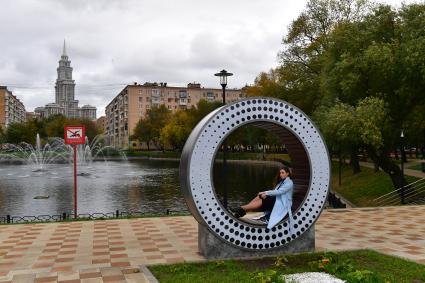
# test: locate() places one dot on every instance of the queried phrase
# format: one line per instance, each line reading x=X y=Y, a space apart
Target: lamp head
x=223 y=74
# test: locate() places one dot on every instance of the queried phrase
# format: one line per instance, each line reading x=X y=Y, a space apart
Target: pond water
x=150 y=186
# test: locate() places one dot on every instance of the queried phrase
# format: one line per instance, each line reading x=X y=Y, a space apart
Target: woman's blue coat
x=283 y=203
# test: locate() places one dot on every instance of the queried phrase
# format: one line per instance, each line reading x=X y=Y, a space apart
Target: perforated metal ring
x=300 y=136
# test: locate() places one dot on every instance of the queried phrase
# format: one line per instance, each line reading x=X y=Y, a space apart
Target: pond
x=149 y=186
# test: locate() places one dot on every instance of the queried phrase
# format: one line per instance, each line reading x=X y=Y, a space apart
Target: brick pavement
x=113 y=250
x=66 y=251
x=398 y=231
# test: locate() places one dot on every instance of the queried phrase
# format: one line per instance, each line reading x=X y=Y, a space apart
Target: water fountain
x=37 y=156
x=56 y=152
x=94 y=150
x=37 y=167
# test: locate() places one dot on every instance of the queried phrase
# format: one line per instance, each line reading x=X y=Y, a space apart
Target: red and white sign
x=74 y=134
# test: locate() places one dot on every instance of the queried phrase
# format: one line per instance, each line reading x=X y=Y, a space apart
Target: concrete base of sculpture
x=212 y=247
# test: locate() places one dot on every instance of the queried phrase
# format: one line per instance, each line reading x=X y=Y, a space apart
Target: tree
x=298 y=78
x=265 y=84
x=306 y=43
x=2 y=136
x=54 y=126
x=182 y=122
x=347 y=128
x=175 y=133
x=380 y=56
x=148 y=129
x=21 y=132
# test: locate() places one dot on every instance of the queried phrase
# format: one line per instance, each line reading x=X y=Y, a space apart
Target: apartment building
x=32 y=115
x=87 y=112
x=12 y=110
x=131 y=104
x=101 y=123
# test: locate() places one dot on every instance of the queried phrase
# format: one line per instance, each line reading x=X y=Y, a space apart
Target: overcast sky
x=112 y=43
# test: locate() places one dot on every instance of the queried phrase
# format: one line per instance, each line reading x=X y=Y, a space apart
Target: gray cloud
x=116 y=42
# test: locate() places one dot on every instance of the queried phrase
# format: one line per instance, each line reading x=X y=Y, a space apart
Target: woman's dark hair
x=286 y=169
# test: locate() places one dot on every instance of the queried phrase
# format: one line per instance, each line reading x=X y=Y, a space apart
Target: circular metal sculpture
x=309 y=162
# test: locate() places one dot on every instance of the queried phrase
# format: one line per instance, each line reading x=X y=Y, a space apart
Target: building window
x=210 y=96
x=156 y=96
x=182 y=94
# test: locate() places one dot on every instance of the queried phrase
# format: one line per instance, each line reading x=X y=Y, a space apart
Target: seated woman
x=276 y=202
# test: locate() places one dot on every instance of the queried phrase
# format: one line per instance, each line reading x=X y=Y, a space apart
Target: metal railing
x=6 y=219
x=413 y=193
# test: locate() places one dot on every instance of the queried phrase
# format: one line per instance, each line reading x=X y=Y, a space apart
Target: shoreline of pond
x=131 y=158
x=248 y=161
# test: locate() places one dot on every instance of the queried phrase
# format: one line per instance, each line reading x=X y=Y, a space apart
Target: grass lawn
x=353 y=266
x=416 y=167
x=361 y=189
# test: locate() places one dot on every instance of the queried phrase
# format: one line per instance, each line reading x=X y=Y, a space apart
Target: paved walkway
x=114 y=250
x=93 y=251
x=398 y=231
x=407 y=171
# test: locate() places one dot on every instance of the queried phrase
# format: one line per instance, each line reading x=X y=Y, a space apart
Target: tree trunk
x=339 y=168
x=388 y=166
x=423 y=146
x=375 y=167
x=354 y=160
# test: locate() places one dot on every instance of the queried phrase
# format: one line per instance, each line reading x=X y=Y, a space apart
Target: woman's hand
x=262 y=195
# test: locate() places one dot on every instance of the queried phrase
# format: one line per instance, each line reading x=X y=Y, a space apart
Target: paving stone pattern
x=75 y=250
x=397 y=231
x=113 y=250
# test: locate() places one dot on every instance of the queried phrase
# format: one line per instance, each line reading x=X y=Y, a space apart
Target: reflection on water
x=245 y=180
x=143 y=185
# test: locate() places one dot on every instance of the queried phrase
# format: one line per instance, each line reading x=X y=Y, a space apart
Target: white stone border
x=197 y=179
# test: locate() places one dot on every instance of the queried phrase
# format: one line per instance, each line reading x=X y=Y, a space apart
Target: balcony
x=183 y=102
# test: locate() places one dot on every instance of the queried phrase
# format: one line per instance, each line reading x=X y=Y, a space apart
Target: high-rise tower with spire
x=65 y=86
x=65 y=102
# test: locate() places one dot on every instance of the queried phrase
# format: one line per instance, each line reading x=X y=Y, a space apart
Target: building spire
x=64 y=48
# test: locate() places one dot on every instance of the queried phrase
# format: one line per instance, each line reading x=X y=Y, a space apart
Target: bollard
x=8 y=218
x=117 y=213
x=64 y=216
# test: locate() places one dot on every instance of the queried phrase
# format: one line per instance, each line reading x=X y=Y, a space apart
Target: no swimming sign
x=74 y=134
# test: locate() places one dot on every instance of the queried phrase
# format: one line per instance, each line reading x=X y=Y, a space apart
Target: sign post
x=74 y=135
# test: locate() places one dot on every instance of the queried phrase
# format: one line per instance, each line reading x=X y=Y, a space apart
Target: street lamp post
x=402 y=165
x=223 y=74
